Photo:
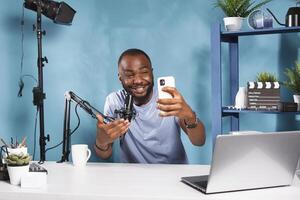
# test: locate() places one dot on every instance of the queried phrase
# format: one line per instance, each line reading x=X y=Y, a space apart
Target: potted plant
x=236 y=11
x=266 y=77
x=267 y=80
x=293 y=82
x=17 y=166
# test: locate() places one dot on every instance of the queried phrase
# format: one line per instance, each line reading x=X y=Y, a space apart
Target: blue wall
x=83 y=58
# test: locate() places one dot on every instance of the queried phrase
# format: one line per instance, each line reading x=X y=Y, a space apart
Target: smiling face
x=135 y=74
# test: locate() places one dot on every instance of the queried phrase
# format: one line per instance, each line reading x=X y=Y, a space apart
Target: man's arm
x=177 y=106
x=107 y=134
x=196 y=134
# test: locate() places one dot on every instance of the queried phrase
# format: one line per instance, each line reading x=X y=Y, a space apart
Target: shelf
x=227 y=36
x=231 y=112
x=218 y=36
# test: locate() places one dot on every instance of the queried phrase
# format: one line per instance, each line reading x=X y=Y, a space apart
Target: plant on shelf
x=17 y=166
x=236 y=10
x=293 y=81
x=266 y=77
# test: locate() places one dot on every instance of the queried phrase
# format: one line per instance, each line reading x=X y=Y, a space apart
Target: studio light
x=59 y=12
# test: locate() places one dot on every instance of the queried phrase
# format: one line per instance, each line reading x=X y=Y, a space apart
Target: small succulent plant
x=266 y=77
x=17 y=159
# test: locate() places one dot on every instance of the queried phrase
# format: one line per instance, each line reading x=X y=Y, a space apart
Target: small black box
x=287 y=107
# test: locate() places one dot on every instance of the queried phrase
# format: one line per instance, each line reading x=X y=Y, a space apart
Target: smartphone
x=163 y=82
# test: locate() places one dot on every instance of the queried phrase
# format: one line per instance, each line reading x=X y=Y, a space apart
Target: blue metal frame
x=232 y=38
x=216 y=81
x=234 y=78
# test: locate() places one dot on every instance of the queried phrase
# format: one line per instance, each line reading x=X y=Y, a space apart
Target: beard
x=140 y=96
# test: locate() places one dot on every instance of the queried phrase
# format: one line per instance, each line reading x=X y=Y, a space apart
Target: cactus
x=17 y=159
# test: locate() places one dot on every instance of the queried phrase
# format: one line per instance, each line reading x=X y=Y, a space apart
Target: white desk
x=112 y=181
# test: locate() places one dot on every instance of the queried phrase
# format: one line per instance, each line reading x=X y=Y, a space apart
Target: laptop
x=250 y=161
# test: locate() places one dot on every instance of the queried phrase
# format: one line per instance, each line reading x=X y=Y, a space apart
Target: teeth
x=139 y=89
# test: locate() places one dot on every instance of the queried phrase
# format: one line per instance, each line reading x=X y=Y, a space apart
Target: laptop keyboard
x=198 y=182
x=201 y=184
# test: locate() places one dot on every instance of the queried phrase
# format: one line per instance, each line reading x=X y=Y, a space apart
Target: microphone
x=128 y=112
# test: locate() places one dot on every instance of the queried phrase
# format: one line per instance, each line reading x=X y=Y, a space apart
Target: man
x=153 y=136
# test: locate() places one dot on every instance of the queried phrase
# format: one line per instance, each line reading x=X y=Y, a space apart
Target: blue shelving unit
x=232 y=38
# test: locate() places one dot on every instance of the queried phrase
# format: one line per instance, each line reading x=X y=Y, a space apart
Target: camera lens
x=162 y=82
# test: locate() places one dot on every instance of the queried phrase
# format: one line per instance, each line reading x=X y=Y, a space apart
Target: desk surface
x=131 y=182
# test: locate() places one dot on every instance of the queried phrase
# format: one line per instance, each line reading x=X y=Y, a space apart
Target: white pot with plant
x=236 y=11
x=17 y=166
x=293 y=82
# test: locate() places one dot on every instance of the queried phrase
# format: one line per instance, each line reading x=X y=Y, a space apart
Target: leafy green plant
x=293 y=82
x=17 y=159
x=266 y=77
x=239 y=8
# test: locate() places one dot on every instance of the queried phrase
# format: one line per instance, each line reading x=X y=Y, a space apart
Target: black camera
x=162 y=82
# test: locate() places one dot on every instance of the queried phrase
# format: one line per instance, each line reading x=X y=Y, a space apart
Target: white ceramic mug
x=80 y=154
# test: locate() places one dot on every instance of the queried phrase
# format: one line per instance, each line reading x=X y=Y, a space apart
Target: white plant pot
x=297 y=100
x=233 y=23
x=16 y=172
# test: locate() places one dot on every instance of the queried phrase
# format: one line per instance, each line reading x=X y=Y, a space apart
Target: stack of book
x=263 y=95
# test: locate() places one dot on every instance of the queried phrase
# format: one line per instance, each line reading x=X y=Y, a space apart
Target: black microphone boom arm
x=71 y=96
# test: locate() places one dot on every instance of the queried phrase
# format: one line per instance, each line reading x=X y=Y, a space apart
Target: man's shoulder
x=115 y=97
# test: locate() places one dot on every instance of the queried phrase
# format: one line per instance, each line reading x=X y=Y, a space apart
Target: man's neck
x=141 y=102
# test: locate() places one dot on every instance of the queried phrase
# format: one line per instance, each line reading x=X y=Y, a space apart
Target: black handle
x=275 y=17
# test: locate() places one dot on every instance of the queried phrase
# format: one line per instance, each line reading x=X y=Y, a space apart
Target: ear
x=119 y=76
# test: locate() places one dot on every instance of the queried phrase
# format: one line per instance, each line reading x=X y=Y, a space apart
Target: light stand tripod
x=60 y=13
x=38 y=92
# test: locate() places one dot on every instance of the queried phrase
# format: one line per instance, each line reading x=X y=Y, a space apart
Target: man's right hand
x=107 y=133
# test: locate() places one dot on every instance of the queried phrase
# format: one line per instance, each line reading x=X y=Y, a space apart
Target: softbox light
x=59 y=12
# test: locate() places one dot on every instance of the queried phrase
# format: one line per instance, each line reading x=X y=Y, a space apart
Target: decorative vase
x=241 y=98
x=233 y=23
x=297 y=100
x=16 y=172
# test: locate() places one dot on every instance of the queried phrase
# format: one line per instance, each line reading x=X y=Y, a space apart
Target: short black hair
x=133 y=52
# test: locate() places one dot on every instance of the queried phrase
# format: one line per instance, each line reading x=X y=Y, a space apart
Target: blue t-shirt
x=150 y=138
